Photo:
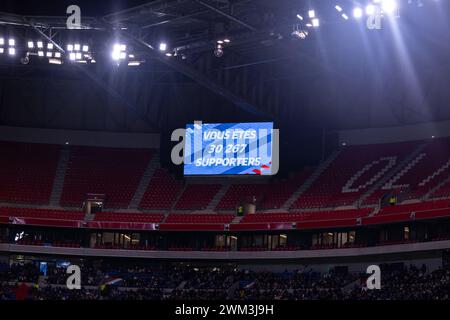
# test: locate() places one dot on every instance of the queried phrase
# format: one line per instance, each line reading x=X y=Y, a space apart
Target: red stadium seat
x=114 y=172
x=27 y=172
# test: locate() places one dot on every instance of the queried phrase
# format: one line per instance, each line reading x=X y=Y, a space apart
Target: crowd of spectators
x=182 y=282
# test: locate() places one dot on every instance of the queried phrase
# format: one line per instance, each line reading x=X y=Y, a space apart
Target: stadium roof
x=342 y=75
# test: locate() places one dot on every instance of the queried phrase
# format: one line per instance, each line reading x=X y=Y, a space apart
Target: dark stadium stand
x=304 y=216
x=421 y=174
x=52 y=214
x=241 y=192
x=114 y=172
x=161 y=192
x=280 y=191
x=401 y=282
x=28 y=171
x=197 y=196
x=129 y=217
x=173 y=207
x=357 y=166
x=199 y=218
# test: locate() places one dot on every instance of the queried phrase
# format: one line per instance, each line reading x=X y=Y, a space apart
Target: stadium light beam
x=315 y=23
x=389 y=6
x=357 y=13
x=162 y=46
x=370 y=9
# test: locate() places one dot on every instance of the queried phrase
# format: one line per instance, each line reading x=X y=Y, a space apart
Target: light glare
x=357 y=13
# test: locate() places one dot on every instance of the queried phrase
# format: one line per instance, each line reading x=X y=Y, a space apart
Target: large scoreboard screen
x=228 y=149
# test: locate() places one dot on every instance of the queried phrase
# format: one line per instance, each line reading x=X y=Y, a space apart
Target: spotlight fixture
x=370 y=9
x=315 y=22
x=162 y=46
x=55 y=61
x=357 y=12
x=338 y=8
x=25 y=60
x=119 y=52
x=77 y=52
x=300 y=34
x=218 y=51
x=222 y=41
x=311 y=13
x=11 y=46
x=134 y=63
x=389 y=6
x=300 y=17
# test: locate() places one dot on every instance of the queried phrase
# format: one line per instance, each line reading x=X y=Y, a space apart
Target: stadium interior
x=87 y=178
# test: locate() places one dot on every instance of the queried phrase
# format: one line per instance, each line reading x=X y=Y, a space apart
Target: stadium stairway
x=390 y=174
x=430 y=193
x=58 y=182
x=310 y=181
x=177 y=198
x=89 y=217
x=237 y=219
x=143 y=184
x=219 y=195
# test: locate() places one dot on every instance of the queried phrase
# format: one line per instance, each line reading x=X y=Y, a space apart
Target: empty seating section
x=41 y=213
x=272 y=217
x=162 y=191
x=197 y=196
x=241 y=192
x=415 y=207
x=422 y=173
x=199 y=218
x=352 y=173
x=111 y=171
x=129 y=217
x=442 y=192
x=27 y=172
x=280 y=191
x=306 y=216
